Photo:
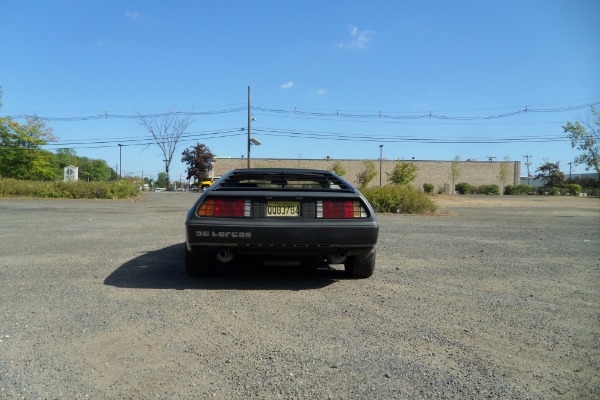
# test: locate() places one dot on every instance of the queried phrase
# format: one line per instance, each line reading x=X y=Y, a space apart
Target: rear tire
x=360 y=266
x=199 y=264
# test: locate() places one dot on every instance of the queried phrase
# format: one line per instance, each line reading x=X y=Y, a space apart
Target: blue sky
x=320 y=72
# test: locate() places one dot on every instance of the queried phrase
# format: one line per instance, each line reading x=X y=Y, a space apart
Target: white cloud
x=320 y=92
x=287 y=85
x=133 y=15
x=358 y=39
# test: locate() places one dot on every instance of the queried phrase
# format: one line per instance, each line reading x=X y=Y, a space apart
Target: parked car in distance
x=205 y=184
x=276 y=215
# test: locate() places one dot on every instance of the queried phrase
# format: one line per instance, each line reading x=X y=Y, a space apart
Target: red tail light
x=225 y=207
x=340 y=209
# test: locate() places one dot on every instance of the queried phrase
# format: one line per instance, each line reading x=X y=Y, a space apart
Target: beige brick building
x=436 y=172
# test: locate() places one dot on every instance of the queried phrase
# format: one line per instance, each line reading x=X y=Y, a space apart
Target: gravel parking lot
x=494 y=298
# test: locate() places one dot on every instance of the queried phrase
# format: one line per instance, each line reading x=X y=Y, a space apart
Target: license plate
x=283 y=209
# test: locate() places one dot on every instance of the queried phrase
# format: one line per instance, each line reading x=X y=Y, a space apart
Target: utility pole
x=120 y=164
x=249 y=122
x=570 y=164
x=527 y=163
x=380 y=160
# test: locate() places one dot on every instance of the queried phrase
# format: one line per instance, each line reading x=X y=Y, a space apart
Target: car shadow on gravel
x=164 y=269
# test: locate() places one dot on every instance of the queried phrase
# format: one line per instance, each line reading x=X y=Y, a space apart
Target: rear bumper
x=281 y=239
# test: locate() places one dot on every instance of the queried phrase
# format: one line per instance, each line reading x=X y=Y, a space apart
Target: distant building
x=531 y=181
x=438 y=173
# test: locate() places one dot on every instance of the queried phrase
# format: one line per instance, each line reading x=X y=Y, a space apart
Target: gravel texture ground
x=494 y=298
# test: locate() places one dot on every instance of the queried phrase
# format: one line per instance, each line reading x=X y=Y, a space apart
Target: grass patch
x=68 y=190
x=402 y=199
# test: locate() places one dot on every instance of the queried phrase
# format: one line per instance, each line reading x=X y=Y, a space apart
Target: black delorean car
x=308 y=217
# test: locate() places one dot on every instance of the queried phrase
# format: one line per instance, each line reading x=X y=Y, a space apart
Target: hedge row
x=68 y=190
x=465 y=188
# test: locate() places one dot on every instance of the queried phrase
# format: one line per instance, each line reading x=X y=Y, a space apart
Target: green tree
x=586 y=138
x=22 y=156
x=455 y=171
x=42 y=166
x=550 y=174
x=338 y=169
x=504 y=171
x=369 y=171
x=93 y=170
x=162 y=180
x=404 y=172
x=65 y=157
x=199 y=160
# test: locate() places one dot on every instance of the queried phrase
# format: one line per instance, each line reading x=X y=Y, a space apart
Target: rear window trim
x=270 y=181
x=290 y=189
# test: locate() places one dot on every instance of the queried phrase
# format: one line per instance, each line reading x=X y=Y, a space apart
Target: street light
x=528 y=163
x=380 y=160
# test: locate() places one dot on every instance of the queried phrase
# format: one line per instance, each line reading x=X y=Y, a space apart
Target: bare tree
x=166 y=130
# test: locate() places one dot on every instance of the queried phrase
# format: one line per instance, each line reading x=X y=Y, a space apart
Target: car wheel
x=360 y=266
x=198 y=264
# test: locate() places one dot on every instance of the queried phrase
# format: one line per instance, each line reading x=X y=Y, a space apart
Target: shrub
x=463 y=188
x=428 y=188
x=554 y=191
x=399 y=199
x=487 y=190
x=518 y=189
x=573 y=189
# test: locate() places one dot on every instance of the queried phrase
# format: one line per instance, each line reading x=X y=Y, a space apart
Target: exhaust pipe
x=224 y=256
x=338 y=257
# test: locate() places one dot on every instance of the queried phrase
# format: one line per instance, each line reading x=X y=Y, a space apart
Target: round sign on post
x=71 y=173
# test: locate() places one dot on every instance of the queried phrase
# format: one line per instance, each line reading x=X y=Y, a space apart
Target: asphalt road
x=494 y=298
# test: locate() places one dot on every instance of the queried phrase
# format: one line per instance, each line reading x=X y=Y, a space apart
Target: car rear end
x=304 y=215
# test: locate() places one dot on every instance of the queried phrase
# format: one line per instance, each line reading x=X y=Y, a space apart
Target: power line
x=393 y=117
x=144 y=140
x=337 y=114
x=311 y=135
x=405 y=138
x=106 y=115
x=396 y=116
